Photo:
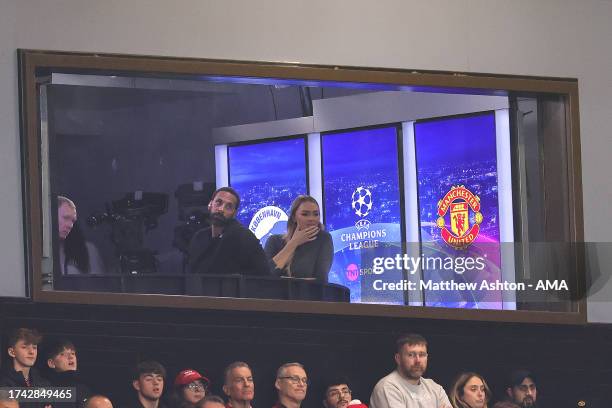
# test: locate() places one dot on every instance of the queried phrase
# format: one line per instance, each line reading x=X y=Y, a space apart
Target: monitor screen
x=268 y=176
x=459 y=210
x=362 y=208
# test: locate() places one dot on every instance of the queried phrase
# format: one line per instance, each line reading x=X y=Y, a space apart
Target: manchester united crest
x=458 y=202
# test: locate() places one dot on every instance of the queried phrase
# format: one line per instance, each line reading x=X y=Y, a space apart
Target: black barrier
x=236 y=286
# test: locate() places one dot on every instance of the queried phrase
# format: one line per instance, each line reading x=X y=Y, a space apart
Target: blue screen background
x=267 y=173
x=451 y=152
x=366 y=158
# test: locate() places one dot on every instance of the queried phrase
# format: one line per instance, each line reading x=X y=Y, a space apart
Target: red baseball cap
x=188 y=376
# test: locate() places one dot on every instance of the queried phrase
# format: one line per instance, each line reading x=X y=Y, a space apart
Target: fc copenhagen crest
x=458 y=202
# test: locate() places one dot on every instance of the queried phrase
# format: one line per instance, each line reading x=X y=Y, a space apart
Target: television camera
x=130 y=218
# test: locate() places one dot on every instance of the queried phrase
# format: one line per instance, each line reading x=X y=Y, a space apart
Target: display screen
x=362 y=208
x=268 y=176
x=459 y=210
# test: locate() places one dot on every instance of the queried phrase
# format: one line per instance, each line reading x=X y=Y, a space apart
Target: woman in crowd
x=306 y=250
x=469 y=390
x=189 y=388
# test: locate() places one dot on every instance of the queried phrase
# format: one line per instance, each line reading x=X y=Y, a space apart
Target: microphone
x=357 y=404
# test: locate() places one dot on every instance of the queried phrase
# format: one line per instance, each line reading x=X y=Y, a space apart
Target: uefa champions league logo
x=361 y=202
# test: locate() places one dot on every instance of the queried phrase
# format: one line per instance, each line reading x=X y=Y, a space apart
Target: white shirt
x=394 y=391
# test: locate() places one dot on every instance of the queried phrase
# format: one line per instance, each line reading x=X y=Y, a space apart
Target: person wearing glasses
x=239 y=386
x=291 y=384
x=405 y=386
x=469 y=390
x=189 y=388
x=338 y=394
x=226 y=247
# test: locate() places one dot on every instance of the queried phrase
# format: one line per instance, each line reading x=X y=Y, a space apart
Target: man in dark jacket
x=226 y=247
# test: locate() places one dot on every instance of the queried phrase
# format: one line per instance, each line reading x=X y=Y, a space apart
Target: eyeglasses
x=412 y=354
x=196 y=386
x=295 y=380
x=339 y=393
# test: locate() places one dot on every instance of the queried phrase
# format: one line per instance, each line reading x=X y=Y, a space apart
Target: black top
x=310 y=260
x=132 y=401
x=12 y=378
x=236 y=251
x=70 y=379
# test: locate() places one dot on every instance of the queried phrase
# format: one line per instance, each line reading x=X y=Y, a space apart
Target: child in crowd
x=23 y=350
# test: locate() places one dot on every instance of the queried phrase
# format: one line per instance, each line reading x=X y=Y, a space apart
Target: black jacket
x=12 y=378
x=70 y=379
x=133 y=402
x=236 y=251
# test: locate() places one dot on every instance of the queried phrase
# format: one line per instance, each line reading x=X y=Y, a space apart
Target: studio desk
x=235 y=286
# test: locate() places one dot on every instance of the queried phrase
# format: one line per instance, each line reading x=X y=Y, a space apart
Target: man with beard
x=338 y=394
x=226 y=246
x=405 y=386
x=521 y=389
x=239 y=385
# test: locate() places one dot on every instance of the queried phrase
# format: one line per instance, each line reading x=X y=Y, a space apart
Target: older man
x=239 y=385
x=291 y=384
x=98 y=401
x=76 y=255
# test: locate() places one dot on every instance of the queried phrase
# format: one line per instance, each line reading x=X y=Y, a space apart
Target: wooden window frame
x=33 y=61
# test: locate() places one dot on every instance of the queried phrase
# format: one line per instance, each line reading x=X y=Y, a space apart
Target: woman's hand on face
x=301 y=236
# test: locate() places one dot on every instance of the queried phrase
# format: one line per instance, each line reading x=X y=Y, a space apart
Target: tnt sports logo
x=458 y=201
x=264 y=220
x=352 y=272
x=361 y=201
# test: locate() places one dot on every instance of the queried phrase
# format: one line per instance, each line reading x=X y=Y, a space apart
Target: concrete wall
x=568 y=38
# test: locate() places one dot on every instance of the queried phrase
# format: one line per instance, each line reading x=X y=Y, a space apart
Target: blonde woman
x=306 y=250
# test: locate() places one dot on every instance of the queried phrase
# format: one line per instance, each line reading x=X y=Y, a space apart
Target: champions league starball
x=361 y=201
